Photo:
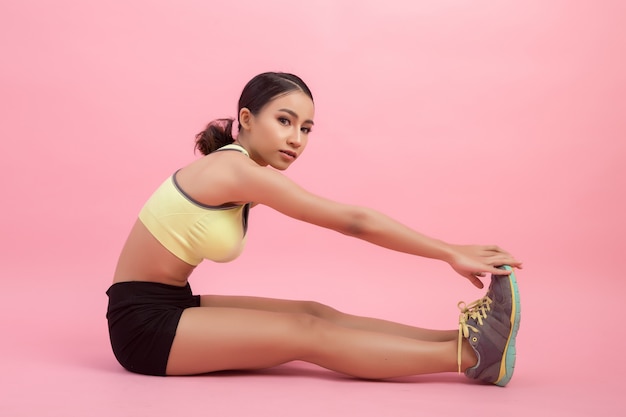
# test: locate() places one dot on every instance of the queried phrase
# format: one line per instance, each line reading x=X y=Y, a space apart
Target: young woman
x=158 y=327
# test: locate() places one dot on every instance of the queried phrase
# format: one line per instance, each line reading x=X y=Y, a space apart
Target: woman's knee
x=320 y=310
x=308 y=330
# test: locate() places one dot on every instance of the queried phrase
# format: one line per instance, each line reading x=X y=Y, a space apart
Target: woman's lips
x=291 y=155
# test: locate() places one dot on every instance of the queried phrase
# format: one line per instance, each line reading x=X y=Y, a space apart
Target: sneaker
x=490 y=325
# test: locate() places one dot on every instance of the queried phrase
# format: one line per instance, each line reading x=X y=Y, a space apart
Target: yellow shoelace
x=477 y=311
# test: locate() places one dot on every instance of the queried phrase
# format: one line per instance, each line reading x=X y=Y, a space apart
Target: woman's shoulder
x=211 y=179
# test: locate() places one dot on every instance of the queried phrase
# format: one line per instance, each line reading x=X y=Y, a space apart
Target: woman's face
x=278 y=134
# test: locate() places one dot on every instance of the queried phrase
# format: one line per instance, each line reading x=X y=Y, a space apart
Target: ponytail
x=218 y=133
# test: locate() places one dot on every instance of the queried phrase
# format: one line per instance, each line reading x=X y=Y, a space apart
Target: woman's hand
x=475 y=261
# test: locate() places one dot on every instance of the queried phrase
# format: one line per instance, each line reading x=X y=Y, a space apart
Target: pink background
x=476 y=122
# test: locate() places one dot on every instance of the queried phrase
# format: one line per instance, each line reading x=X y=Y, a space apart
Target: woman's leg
x=328 y=313
x=217 y=338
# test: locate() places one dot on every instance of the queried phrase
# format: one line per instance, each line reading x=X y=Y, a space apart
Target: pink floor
x=476 y=122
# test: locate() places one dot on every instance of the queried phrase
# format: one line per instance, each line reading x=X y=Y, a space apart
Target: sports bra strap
x=234 y=147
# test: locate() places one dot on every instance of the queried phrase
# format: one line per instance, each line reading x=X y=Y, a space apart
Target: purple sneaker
x=490 y=325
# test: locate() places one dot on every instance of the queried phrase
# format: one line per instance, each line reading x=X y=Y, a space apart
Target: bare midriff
x=143 y=258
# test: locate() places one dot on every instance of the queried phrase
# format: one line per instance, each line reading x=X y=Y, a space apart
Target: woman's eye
x=283 y=121
x=306 y=130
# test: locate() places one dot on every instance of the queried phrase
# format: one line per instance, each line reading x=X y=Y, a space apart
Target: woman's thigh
x=219 y=338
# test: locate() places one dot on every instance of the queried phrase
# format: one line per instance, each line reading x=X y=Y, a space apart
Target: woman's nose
x=295 y=139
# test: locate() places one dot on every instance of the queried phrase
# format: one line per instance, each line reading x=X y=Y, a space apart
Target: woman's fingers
x=498 y=271
x=476 y=261
x=503 y=259
x=474 y=280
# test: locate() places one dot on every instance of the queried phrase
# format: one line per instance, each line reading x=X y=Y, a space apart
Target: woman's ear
x=245 y=116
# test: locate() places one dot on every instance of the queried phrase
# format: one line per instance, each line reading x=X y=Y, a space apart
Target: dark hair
x=255 y=95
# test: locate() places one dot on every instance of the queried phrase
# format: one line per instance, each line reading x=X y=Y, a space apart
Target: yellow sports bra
x=194 y=231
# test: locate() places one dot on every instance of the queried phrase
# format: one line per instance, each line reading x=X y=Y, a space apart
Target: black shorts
x=143 y=317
